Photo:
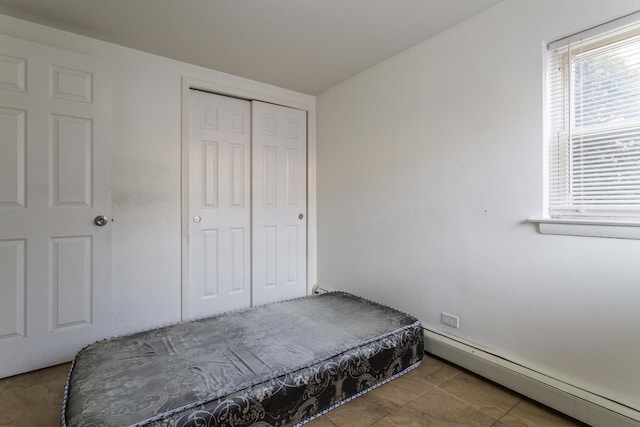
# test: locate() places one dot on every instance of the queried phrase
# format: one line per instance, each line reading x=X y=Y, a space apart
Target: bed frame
x=280 y=364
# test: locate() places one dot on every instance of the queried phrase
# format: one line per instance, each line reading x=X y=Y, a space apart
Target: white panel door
x=279 y=202
x=219 y=204
x=55 y=262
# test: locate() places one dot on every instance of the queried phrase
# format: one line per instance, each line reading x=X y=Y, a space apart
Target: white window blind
x=594 y=120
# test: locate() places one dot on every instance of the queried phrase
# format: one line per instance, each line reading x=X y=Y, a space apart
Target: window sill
x=617 y=229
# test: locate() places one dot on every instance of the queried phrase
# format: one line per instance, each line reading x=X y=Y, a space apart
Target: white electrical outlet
x=450 y=320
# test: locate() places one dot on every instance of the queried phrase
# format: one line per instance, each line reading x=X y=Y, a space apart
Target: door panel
x=71 y=281
x=279 y=202
x=12 y=157
x=55 y=264
x=71 y=143
x=12 y=289
x=219 y=190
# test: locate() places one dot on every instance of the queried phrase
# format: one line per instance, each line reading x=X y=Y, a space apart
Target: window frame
x=590 y=220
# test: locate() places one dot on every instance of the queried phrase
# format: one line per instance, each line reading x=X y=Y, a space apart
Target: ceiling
x=303 y=45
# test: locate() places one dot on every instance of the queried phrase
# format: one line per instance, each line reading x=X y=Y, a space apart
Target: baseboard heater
x=578 y=403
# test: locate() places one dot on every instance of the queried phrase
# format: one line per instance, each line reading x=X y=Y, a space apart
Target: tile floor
x=436 y=394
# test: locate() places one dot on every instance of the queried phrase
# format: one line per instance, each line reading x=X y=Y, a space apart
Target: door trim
x=220 y=89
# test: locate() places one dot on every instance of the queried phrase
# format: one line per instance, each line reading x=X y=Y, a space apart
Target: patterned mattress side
x=304 y=393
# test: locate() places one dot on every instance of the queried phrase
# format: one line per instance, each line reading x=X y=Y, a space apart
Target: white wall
x=146 y=138
x=429 y=165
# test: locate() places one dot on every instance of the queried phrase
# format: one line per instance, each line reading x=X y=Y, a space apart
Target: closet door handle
x=300 y=216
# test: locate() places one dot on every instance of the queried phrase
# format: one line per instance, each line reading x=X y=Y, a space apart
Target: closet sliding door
x=279 y=205
x=247 y=204
x=219 y=204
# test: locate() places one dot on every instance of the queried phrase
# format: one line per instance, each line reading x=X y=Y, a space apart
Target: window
x=593 y=92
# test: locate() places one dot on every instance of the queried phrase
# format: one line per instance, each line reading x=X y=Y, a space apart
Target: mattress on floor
x=274 y=365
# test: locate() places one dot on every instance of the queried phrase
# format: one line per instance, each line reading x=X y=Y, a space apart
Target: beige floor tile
x=400 y=390
x=322 y=421
x=405 y=417
x=439 y=408
x=362 y=411
x=56 y=373
x=19 y=382
x=413 y=382
x=42 y=402
x=42 y=420
x=434 y=370
x=529 y=414
x=16 y=405
x=490 y=399
x=33 y=399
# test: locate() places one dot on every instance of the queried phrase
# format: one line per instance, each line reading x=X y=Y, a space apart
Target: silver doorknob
x=300 y=216
x=100 y=220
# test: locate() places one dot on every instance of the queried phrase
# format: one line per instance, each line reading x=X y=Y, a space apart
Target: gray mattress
x=280 y=364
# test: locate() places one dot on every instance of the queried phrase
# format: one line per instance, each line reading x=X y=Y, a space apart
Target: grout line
x=446 y=379
x=510 y=409
x=472 y=405
x=330 y=422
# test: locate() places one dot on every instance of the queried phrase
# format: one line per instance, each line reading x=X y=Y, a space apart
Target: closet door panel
x=219 y=204
x=279 y=249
